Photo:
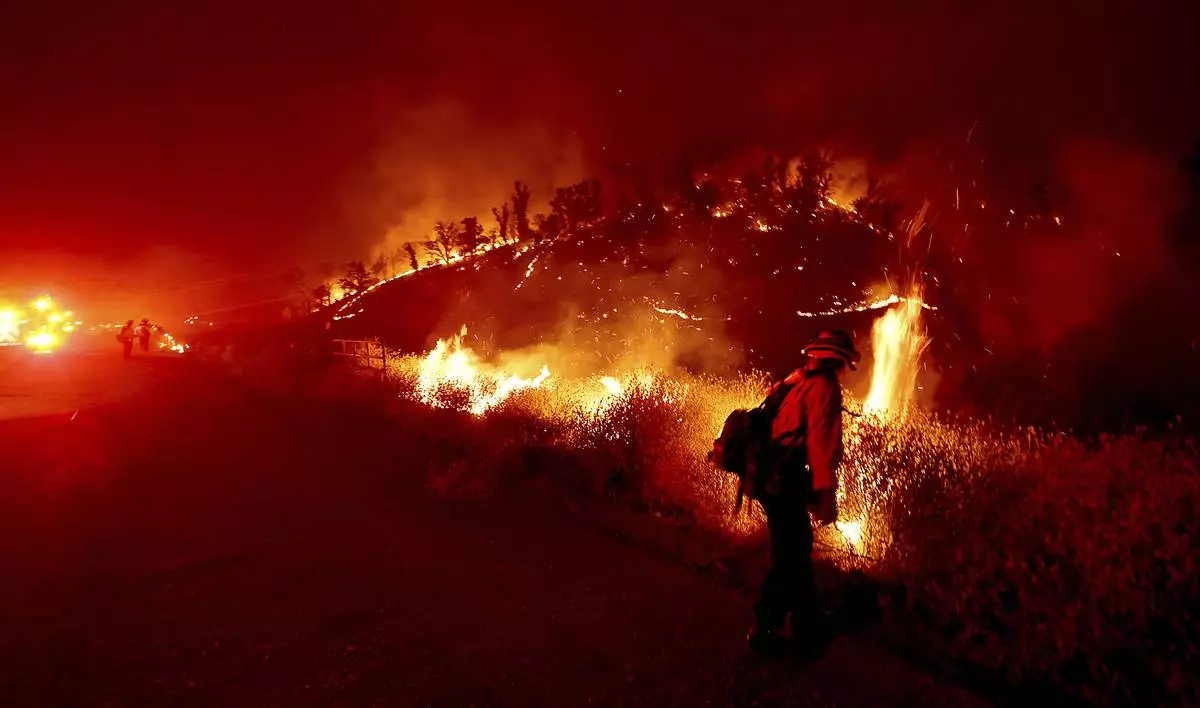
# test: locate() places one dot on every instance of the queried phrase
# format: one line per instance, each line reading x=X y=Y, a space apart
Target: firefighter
x=802 y=461
x=125 y=337
x=143 y=335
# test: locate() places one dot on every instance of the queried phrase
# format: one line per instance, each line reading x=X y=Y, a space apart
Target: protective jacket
x=810 y=416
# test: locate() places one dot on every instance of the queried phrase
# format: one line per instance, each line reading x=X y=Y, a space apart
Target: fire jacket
x=815 y=405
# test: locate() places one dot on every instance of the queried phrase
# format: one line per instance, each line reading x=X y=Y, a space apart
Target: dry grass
x=1038 y=555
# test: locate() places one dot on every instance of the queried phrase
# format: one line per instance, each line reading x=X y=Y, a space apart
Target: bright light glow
x=42 y=341
x=852 y=531
x=612 y=385
x=43 y=303
x=10 y=327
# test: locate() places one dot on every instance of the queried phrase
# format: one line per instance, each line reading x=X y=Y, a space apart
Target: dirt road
x=172 y=537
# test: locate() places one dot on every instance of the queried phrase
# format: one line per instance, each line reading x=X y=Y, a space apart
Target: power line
x=224 y=279
x=243 y=306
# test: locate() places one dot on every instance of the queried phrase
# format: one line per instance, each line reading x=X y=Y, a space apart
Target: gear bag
x=744 y=446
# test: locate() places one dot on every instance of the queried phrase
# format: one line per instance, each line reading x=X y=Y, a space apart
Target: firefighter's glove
x=823 y=507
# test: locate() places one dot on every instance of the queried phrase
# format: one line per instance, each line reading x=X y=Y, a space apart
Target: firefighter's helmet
x=834 y=344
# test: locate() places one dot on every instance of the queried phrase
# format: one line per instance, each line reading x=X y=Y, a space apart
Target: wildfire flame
x=898 y=340
x=454 y=375
x=852 y=531
x=453 y=364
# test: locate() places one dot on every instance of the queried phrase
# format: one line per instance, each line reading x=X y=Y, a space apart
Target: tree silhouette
x=501 y=215
x=548 y=227
x=321 y=295
x=357 y=279
x=877 y=208
x=521 y=196
x=811 y=186
x=294 y=279
x=412 y=256
x=577 y=207
x=379 y=268
x=471 y=236
x=441 y=246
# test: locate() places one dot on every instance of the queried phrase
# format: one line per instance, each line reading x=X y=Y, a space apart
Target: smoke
x=164 y=284
x=442 y=162
x=583 y=315
x=1057 y=280
x=850 y=179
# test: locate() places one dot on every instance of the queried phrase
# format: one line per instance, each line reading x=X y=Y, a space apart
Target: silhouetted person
x=801 y=477
x=125 y=337
x=143 y=335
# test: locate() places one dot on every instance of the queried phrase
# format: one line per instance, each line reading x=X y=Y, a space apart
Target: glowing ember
x=877 y=304
x=528 y=272
x=898 y=341
x=677 y=313
x=169 y=343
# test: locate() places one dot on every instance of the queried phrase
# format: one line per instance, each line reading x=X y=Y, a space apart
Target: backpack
x=744 y=445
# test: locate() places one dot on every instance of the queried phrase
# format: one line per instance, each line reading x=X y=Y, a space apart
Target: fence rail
x=362 y=354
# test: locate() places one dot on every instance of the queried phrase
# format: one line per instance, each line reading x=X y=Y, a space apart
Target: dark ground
x=170 y=536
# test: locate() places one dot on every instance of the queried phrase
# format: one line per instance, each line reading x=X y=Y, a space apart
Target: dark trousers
x=126 y=348
x=788 y=587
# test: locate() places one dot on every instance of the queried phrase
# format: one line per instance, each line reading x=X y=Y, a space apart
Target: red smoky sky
x=238 y=138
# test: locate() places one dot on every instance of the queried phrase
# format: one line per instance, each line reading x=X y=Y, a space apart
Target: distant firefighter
x=125 y=337
x=143 y=335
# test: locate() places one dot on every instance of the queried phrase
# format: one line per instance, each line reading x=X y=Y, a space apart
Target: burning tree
x=322 y=295
x=357 y=279
x=412 y=256
x=379 y=268
x=521 y=195
x=576 y=207
x=808 y=186
x=441 y=246
x=878 y=208
x=502 y=216
x=470 y=238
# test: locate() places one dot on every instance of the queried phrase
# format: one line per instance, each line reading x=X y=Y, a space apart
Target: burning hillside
x=605 y=347
x=591 y=314
x=598 y=408
x=716 y=278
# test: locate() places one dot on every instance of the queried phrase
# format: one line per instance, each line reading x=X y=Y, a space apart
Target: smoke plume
x=442 y=162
